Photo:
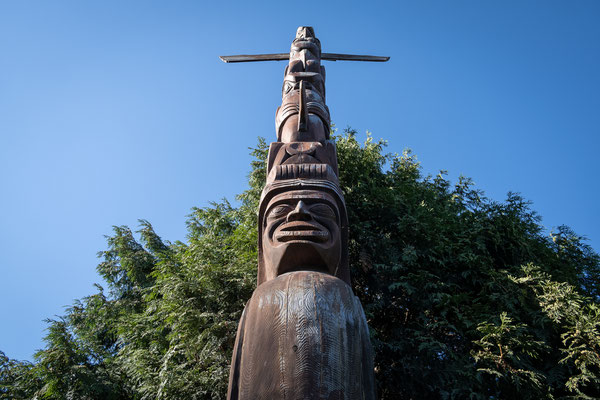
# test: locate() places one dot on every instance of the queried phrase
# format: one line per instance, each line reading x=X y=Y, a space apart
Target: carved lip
x=301 y=230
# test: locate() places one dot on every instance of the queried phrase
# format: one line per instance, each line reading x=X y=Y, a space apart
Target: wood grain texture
x=302 y=336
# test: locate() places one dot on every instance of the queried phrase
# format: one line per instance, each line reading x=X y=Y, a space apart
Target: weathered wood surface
x=303 y=336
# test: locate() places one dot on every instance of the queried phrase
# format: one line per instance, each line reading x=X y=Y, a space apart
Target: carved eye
x=323 y=211
x=279 y=211
x=288 y=86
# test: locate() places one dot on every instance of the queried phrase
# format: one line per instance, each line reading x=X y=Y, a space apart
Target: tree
x=465 y=297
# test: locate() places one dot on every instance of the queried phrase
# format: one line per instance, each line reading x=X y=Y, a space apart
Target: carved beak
x=303 y=110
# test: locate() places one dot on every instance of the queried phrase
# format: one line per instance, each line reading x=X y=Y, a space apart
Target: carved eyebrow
x=294 y=200
x=312 y=203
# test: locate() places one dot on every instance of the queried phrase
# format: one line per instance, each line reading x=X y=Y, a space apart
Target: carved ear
x=303 y=110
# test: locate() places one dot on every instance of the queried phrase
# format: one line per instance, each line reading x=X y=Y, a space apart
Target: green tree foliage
x=466 y=298
x=18 y=379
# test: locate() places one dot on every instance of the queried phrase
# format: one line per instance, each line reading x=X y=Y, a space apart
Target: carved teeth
x=312 y=235
x=301 y=230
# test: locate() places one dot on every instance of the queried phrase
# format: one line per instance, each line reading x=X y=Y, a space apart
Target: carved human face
x=301 y=231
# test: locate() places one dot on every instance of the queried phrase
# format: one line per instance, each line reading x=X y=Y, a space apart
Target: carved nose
x=300 y=213
x=303 y=57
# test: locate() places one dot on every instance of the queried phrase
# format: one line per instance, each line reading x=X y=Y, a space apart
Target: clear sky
x=112 y=111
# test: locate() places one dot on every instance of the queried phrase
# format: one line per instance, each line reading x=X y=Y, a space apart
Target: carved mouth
x=301 y=230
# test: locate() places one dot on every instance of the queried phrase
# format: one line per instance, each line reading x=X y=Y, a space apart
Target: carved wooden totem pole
x=303 y=334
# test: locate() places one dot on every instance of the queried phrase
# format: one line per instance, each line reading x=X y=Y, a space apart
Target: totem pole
x=303 y=334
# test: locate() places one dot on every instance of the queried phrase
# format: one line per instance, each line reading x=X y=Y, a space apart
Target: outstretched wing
x=286 y=56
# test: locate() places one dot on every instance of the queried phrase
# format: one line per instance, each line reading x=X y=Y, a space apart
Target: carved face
x=301 y=231
x=305 y=56
x=316 y=127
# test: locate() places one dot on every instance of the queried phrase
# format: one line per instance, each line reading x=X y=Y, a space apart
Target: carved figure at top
x=303 y=115
x=305 y=54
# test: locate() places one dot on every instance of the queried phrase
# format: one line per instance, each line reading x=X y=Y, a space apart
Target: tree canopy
x=466 y=297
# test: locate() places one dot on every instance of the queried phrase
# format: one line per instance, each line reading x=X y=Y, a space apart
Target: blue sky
x=113 y=111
